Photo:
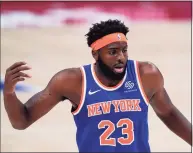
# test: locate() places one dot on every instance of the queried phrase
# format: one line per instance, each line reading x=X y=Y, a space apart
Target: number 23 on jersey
x=105 y=138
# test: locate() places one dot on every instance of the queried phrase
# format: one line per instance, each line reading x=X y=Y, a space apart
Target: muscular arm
x=153 y=83
x=22 y=115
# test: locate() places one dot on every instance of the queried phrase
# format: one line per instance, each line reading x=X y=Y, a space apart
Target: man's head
x=109 y=47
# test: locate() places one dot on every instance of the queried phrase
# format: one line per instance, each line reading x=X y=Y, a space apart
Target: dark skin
x=67 y=83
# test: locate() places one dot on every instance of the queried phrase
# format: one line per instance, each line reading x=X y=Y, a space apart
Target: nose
x=120 y=56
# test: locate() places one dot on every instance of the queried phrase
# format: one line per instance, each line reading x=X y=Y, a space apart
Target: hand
x=14 y=75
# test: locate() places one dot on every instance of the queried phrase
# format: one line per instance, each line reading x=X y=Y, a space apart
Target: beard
x=108 y=72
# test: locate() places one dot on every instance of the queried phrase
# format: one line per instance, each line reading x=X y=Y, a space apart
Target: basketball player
x=110 y=97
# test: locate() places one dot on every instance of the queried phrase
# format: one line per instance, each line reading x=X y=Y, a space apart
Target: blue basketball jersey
x=112 y=119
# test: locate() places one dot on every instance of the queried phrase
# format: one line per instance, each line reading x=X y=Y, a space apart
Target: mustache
x=119 y=64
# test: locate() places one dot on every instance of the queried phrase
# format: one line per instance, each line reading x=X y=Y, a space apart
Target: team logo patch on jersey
x=130 y=86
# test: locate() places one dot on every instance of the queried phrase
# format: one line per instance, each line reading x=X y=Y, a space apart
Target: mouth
x=119 y=68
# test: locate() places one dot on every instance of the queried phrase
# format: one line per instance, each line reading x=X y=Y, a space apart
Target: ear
x=95 y=55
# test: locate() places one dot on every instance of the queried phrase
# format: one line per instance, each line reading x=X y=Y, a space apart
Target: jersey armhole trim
x=83 y=92
x=139 y=82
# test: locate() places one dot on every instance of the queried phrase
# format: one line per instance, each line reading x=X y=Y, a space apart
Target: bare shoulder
x=73 y=74
x=66 y=81
x=151 y=77
x=148 y=68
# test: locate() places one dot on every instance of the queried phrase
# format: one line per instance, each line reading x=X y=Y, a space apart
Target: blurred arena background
x=49 y=36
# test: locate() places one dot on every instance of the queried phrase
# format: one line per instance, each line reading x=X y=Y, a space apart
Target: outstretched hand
x=14 y=74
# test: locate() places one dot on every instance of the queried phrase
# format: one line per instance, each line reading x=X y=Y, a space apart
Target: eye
x=112 y=51
x=124 y=50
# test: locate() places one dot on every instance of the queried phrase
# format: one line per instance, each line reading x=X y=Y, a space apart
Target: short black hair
x=99 y=30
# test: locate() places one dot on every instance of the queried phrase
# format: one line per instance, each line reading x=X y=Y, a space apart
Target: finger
x=16 y=65
x=18 y=79
x=21 y=68
x=20 y=74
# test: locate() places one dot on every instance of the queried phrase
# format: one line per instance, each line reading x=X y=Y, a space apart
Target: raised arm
x=21 y=115
x=153 y=84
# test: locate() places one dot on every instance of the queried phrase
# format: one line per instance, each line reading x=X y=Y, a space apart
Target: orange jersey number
x=128 y=130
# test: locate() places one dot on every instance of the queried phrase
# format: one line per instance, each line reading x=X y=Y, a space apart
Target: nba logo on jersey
x=112 y=119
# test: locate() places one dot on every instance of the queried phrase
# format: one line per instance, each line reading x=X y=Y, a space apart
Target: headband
x=108 y=39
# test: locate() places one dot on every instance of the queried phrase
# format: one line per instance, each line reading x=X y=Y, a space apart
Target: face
x=112 y=60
